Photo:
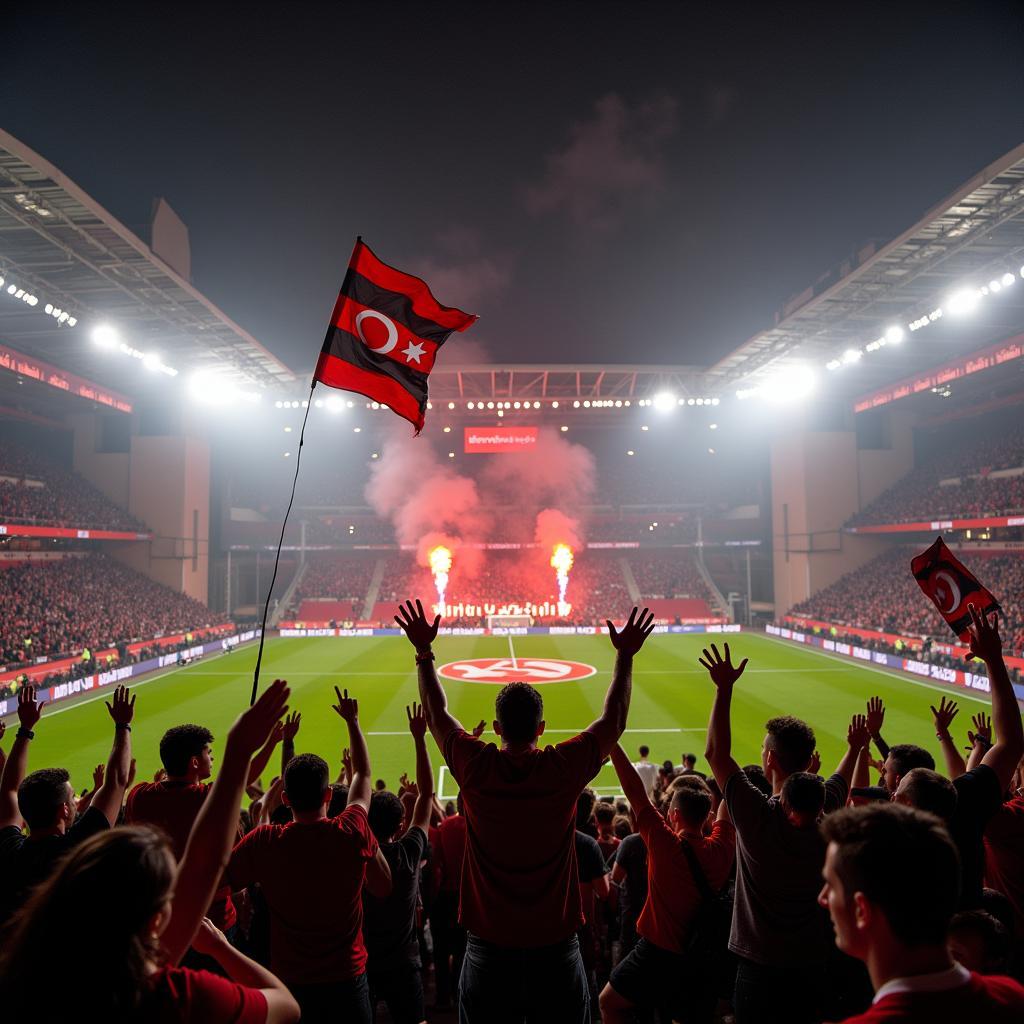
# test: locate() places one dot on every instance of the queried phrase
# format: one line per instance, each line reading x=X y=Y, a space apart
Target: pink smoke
x=554 y=472
x=555 y=527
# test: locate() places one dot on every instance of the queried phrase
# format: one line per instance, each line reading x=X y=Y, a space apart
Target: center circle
x=499 y=671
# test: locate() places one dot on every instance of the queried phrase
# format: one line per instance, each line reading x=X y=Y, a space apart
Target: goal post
x=508 y=621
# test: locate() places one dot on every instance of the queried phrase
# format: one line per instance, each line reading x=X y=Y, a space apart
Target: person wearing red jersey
x=661 y=972
x=891 y=888
x=130 y=911
x=173 y=803
x=311 y=872
x=520 y=899
x=448 y=846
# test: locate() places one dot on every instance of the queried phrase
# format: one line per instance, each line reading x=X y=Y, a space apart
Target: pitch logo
x=509 y=670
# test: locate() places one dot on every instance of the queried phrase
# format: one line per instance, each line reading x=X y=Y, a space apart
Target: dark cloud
x=613 y=160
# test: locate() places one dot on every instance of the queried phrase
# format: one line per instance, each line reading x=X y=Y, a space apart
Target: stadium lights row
x=106 y=337
x=663 y=401
x=62 y=316
x=960 y=303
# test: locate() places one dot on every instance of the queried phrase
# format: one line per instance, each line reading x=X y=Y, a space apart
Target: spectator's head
x=380 y=785
x=788 y=746
x=520 y=714
x=386 y=815
x=927 y=791
x=307 y=785
x=622 y=826
x=689 y=807
x=339 y=799
x=902 y=758
x=585 y=806
x=892 y=879
x=645 y=752
x=185 y=752
x=756 y=774
x=690 y=761
x=979 y=942
x=604 y=814
x=110 y=897
x=46 y=800
x=803 y=798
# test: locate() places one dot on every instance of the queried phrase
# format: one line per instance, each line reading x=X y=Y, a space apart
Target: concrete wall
x=108 y=472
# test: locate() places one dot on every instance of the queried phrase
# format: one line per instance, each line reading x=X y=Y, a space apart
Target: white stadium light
x=790 y=384
x=1007 y=279
x=105 y=336
x=664 y=400
x=852 y=355
x=151 y=361
x=963 y=301
x=894 y=335
x=334 y=403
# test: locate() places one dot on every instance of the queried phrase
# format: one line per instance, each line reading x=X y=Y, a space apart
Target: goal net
x=508 y=621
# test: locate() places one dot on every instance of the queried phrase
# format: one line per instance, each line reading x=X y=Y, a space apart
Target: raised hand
x=982 y=731
x=478 y=729
x=347 y=707
x=97 y=776
x=417 y=720
x=29 y=709
x=160 y=775
x=944 y=715
x=875 y=715
x=631 y=637
x=121 y=707
x=815 y=766
x=417 y=628
x=721 y=670
x=253 y=727
x=346 y=763
x=857 y=736
x=984 y=641
x=209 y=938
x=877 y=764
x=290 y=726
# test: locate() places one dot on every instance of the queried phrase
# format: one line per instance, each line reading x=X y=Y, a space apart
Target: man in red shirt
x=448 y=847
x=311 y=872
x=891 y=887
x=520 y=898
x=661 y=971
x=173 y=803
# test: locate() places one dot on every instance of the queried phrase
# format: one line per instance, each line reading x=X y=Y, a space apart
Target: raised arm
x=422 y=634
x=718 y=751
x=875 y=717
x=943 y=716
x=980 y=739
x=632 y=785
x=110 y=795
x=986 y=645
x=609 y=727
x=213 y=833
x=360 y=788
x=857 y=738
x=29 y=712
x=290 y=730
x=424 y=805
x=264 y=754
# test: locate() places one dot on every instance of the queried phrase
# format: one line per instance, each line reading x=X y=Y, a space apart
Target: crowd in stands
x=883 y=595
x=336 y=576
x=965 y=460
x=37 y=491
x=885 y=891
x=67 y=606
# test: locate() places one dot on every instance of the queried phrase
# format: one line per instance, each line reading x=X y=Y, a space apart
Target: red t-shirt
x=1004 y=856
x=180 y=996
x=992 y=1000
x=519 y=881
x=174 y=806
x=672 y=894
x=312 y=877
x=450 y=837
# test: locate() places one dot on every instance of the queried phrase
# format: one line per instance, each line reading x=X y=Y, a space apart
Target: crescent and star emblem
x=413 y=352
x=949 y=589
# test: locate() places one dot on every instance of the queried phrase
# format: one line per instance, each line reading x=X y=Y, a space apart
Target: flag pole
x=280 y=542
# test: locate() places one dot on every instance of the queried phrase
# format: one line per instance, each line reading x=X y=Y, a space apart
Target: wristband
x=422 y=656
x=122 y=725
x=25 y=734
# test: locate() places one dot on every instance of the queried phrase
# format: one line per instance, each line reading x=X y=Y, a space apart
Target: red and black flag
x=384 y=335
x=952 y=587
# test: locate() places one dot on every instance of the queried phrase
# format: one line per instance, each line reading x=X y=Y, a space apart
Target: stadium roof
x=975 y=234
x=60 y=243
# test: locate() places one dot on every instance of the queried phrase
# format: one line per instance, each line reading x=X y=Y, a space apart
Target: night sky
x=625 y=182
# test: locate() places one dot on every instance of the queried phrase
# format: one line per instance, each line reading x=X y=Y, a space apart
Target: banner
x=488 y=440
x=45 y=373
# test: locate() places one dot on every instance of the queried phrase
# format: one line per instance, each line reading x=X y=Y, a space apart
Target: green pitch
x=671 y=700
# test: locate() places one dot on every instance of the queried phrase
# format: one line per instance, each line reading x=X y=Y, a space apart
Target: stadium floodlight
x=554 y=405
x=894 y=334
x=1007 y=279
x=631 y=452
x=11 y=289
x=2 y=279
x=963 y=301
x=995 y=286
x=833 y=364
x=645 y=427
x=852 y=355
x=470 y=405
x=712 y=426
x=151 y=361
x=334 y=403
x=664 y=400
x=451 y=405
x=447 y=430
x=104 y=336
x=563 y=428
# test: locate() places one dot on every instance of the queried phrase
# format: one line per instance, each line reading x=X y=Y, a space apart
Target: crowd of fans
x=883 y=595
x=966 y=461
x=764 y=893
x=337 y=577
x=36 y=491
x=72 y=605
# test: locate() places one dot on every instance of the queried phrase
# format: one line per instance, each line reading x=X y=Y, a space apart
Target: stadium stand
x=61 y=607
x=37 y=491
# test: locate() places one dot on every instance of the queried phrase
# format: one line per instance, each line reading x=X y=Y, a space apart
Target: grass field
x=671 y=699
